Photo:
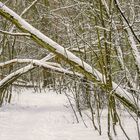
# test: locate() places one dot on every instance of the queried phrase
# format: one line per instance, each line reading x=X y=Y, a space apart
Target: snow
x=58 y=48
x=20 y=71
x=48 y=116
x=62 y=51
x=40 y=116
x=40 y=63
x=14 y=34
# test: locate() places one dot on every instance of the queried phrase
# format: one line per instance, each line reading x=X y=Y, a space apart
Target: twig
x=15 y=34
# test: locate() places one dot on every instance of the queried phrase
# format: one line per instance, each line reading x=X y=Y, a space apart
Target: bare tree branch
x=14 y=34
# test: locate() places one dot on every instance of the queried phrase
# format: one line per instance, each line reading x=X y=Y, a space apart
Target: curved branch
x=91 y=73
x=15 y=34
x=34 y=63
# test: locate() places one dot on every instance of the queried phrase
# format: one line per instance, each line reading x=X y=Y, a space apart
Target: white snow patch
x=48 y=116
x=41 y=116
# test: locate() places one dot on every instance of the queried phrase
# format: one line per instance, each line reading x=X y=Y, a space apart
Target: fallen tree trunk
x=89 y=72
x=34 y=63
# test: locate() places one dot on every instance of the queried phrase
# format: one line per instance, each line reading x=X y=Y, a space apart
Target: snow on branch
x=34 y=63
x=13 y=76
x=131 y=35
x=41 y=63
x=91 y=73
x=49 y=44
x=10 y=78
x=119 y=50
x=14 y=34
x=13 y=61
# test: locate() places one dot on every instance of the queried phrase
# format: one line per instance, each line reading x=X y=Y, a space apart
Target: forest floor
x=48 y=116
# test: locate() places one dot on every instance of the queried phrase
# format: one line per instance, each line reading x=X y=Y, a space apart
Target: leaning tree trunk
x=89 y=72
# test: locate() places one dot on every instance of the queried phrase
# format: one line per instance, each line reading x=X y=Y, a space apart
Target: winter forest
x=70 y=69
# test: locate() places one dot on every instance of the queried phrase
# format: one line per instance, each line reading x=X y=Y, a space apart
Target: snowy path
x=41 y=117
x=45 y=116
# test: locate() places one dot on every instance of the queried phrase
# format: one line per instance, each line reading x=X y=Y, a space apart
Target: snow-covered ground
x=47 y=116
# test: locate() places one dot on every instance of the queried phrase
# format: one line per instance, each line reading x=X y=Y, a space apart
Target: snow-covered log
x=6 y=80
x=91 y=73
x=34 y=63
x=11 y=77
